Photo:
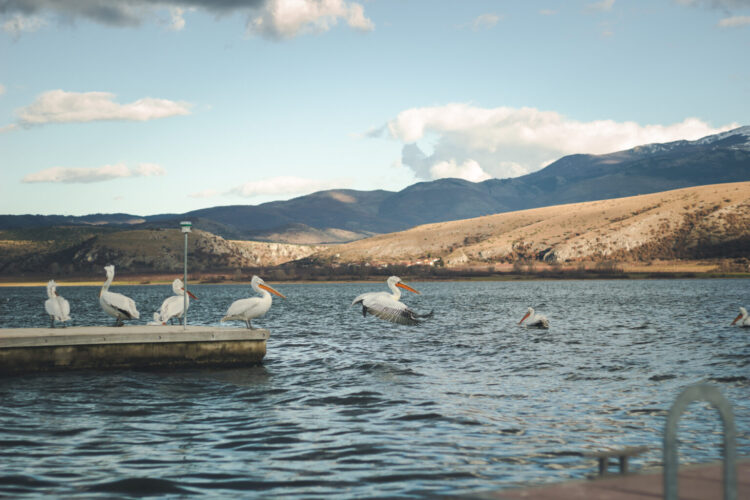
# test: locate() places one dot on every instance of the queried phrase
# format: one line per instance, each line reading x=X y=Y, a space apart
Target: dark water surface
x=346 y=406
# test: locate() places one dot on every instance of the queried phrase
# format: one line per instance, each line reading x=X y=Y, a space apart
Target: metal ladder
x=709 y=393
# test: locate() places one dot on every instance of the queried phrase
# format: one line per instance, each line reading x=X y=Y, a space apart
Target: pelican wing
x=384 y=306
x=172 y=307
x=64 y=308
x=249 y=308
x=124 y=304
x=50 y=305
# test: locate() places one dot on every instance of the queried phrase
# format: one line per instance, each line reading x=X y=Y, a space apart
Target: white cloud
x=734 y=22
x=2 y=89
x=286 y=186
x=284 y=19
x=602 y=6
x=81 y=175
x=547 y=12
x=275 y=19
x=58 y=106
x=468 y=170
x=148 y=170
x=508 y=142
x=177 y=21
x=17 y=24
x=206 y=193
x=484 y=21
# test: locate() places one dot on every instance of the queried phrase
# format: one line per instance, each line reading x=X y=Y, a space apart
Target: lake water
x=346 y=406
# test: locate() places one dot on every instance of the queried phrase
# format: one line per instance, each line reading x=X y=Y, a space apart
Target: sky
x=166 y=106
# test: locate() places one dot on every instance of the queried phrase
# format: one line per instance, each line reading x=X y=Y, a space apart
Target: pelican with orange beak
x=535 y=320
x=173 y=307
x=742 y=318
x=252 y=307
x=387 y=306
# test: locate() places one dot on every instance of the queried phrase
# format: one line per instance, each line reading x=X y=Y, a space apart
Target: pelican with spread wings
x=387 y=306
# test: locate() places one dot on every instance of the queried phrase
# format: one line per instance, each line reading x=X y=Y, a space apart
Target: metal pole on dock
x=185 y=226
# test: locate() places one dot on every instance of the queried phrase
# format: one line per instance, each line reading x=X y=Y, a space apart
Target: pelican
x=386 y=305
x=742 y=319
x=57 y=307
x=252 y=307
x=535 y=320
x=116 y=305
x=156 y=321
x=172 y=307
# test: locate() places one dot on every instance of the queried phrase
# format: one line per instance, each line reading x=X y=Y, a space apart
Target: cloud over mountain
x=473 y=143
x=286 y=185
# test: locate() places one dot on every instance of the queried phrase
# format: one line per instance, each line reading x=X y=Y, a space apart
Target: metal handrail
x=709 y=393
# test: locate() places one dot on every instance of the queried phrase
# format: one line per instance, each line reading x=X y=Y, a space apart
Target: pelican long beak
x=266 y=287
x=407 y=287
x=739 y=316
x=190 y=293
x=527 y=315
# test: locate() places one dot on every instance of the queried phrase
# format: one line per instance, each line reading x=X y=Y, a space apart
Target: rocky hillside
x=693 y=223
x=73 y=250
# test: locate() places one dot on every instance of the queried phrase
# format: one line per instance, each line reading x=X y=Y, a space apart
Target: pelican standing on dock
x=57 y=307
x=116 y=305
x=742 y=319
x=252 y=307
x=173 y=306
x=387 y=306
x=535 y=320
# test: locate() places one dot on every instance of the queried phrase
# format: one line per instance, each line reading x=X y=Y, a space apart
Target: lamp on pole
x=185 y=226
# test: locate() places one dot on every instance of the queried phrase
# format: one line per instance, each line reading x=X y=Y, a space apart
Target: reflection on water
x=346 y=406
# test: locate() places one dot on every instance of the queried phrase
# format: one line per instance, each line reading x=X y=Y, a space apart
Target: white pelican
x=252 y=307
x=156 y=320
x=116 y=305
x=57 y=307
x=172 y=306
x=742 y=319
x=386 y=305
x=535 y=320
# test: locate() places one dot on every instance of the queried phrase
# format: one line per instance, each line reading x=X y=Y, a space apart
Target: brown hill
x=693 y=223
x=71 y=250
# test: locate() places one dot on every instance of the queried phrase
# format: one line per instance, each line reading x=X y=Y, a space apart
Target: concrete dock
x=25 y=350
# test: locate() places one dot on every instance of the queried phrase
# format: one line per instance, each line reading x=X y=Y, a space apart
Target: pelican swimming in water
x=742 y=319
x=116 y=305
x=387 y=306
x=172 y=307
x=57 y=307
x=535 y=320
x=252 y=307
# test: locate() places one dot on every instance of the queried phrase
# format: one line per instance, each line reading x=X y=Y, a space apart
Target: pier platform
x=697 y=482
x=25 y=350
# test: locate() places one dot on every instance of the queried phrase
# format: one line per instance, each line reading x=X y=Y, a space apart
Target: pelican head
x=179 y=289
x=110 y=270
x=529 y=312
x=395 y=281
x=741 y=315
x=258 y=284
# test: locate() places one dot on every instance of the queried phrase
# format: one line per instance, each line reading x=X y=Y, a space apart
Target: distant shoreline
x=161 y=280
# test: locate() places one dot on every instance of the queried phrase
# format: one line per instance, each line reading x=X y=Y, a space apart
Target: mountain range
x=341 y=215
